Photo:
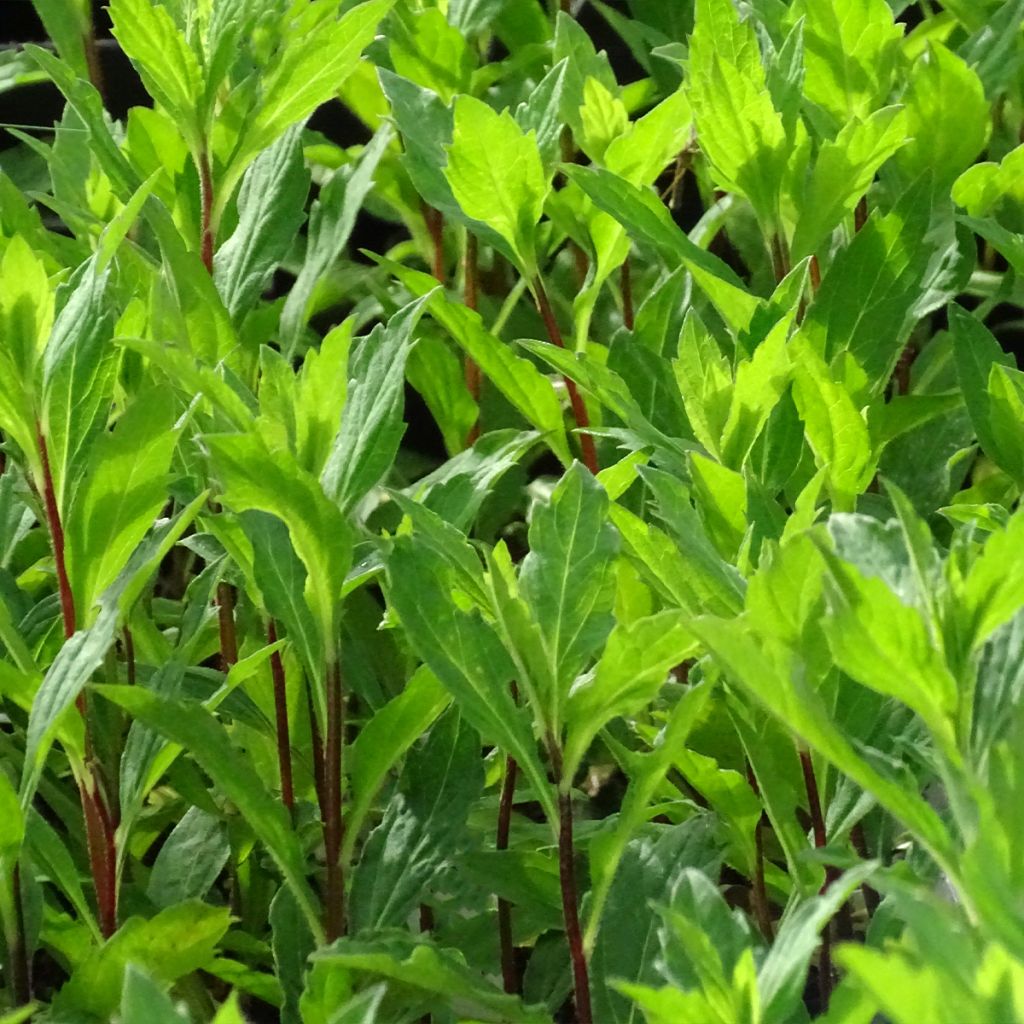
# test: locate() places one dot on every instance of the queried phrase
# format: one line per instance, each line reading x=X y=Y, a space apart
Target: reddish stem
x=284 y=743
x=99 y=831
x=820 y=840
x=759 y=891
x=579 y=409
x=570 y=911
x=860 y=214
x=627 y=295
x=435 y=226
x=206 y=210
x=334 y=923
x=815 y=275
x=226 y=622
x=67 y=601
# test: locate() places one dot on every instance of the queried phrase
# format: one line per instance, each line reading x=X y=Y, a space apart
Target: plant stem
x=509 y=970
x=206 y=210
x=474 y=378
x=67 y=601
x=129 y=656
x=860 y=214
x=92 y=58
x=820 y=840
x=780 y=256
x=759 y=892
x=579 y=409
x=284 y=742
x=627 y=295
x=334 y=922
x=18 y=961
x=226 y=622
x=860 y=844
x=317 y=750
x=434 y=220
x=570 y=910
x=815 y=275
x=99 y=830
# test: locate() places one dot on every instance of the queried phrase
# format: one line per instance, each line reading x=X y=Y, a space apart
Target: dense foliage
x=685 y=685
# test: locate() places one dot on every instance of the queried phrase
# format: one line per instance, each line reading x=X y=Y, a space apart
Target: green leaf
x=835 y=429
x=385 y=739
x=636 y=661
x=320 y=53
x=255 y=478
x=143 y=999
x=947 y=117
x=163 y=58
x=842 y=174
x=496 y=175
x=422 y=825
x=121 y=494
x=627 y=947
x=648 y=220
x=978 y=355
x=992 y=591
x=190 y=860
x=79 y=364
x=84 y=652
x=187 y=723
x=292 y=943
x=371 y=422
x=271 y=209
x=870 y=630
x=567 y=578
x=427 y=50
x=465 y=654
x=174 y=943
x=281 y=577
x=331 y=220
x=439 y=974
x=850 y=53
x=737 y=125
x=516 y=378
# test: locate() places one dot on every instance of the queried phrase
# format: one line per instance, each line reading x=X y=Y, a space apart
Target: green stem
x=334 y=921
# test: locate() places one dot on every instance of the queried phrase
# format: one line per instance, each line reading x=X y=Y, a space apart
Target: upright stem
x=567 y=882
x=759 y=891
x=627 y=295
x=334 y=923
x=99 y=830
x=18 y=961
x=284 y=742
x=129 y=656
x=317 y=745
x=435 y=226
x=206 y=210
x=92 y=59
x=579 y=409
x=570 y=910
x=226 y=622
x=474 y=378
x=820 y=840
x=860 y=214
x=509 y=970
x=780 y=256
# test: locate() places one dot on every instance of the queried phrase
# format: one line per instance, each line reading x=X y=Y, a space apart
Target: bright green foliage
x=540 y=543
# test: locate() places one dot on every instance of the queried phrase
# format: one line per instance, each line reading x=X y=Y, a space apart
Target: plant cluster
x=685 y=685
